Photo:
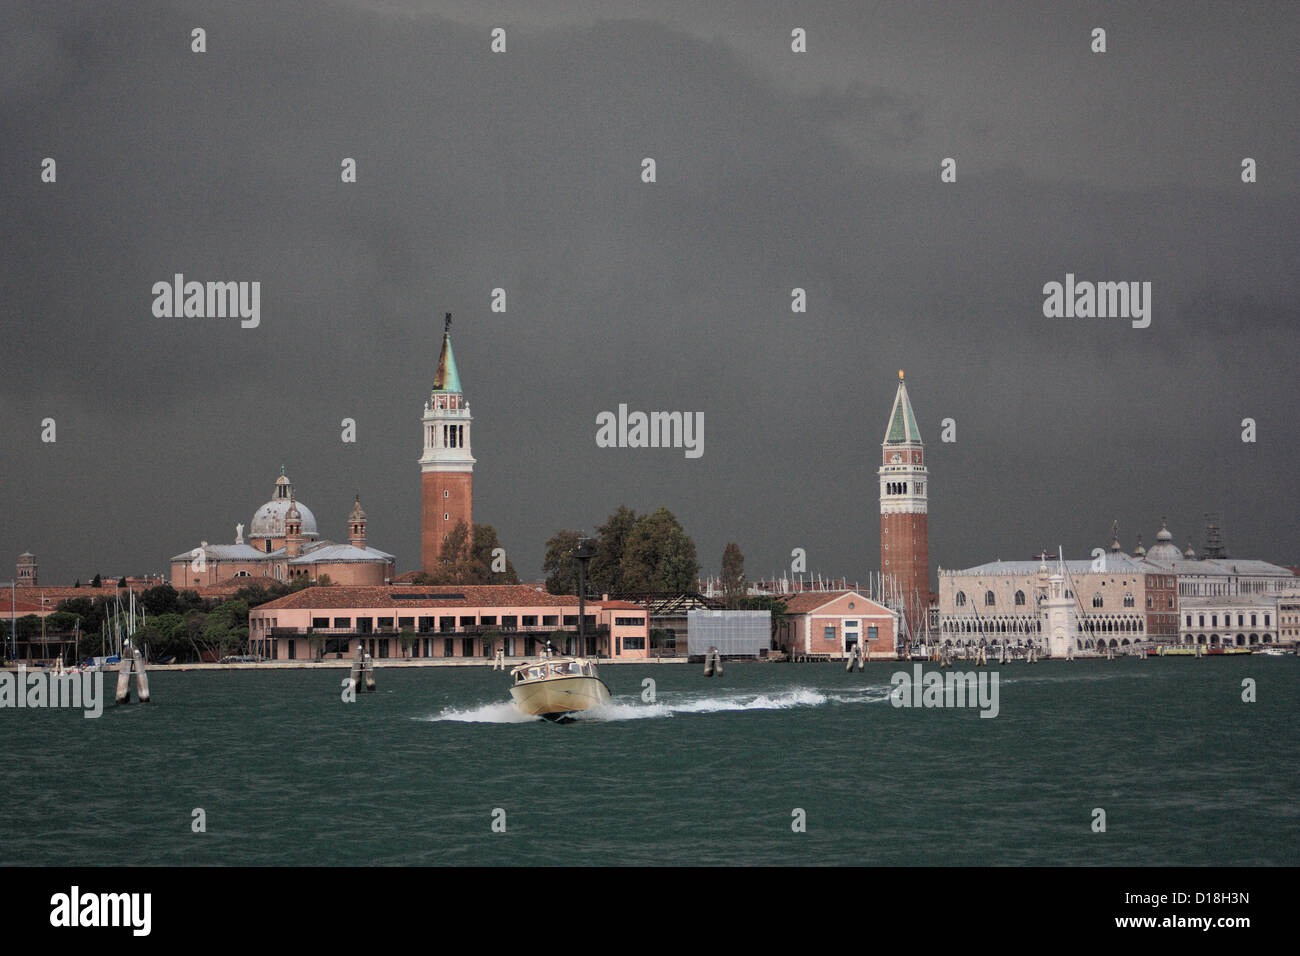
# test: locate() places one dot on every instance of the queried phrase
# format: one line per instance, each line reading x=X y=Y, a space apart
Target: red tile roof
x=21 y=607
x=59 y=593
x=812 y=600
x=468 y=595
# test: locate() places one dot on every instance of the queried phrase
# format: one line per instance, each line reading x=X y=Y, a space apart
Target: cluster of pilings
x=857 y=659
x=712 y=663
x=132 y=661
x=363 y=672
x=946 y=656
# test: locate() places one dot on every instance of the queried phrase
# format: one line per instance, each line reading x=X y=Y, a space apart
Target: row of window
x=424 y=647
x=450 y=623
x=990 y=599
x=1129 y=600
x=851 y=632
x=1227 y=620
x=1025 y=625
x=1202 y=588
x=901 y=488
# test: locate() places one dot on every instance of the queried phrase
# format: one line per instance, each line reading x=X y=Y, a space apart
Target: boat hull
x=558 y=697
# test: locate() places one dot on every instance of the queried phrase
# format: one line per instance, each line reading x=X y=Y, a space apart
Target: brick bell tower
x=904 y=523
x=446 y=467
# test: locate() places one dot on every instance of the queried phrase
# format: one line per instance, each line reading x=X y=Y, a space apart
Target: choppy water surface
x=710 y=772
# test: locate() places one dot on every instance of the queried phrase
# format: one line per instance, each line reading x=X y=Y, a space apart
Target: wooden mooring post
x=124 y=680
x=132 y=661
x=362 y=674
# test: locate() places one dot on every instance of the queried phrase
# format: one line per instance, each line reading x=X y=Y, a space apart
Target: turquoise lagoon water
x=710 y=773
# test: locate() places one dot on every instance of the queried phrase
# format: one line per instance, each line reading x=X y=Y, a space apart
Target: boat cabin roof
x=554 y=667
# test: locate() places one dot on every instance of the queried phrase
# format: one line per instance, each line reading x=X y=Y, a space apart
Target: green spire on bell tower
x=447 y=380
x=902 y=423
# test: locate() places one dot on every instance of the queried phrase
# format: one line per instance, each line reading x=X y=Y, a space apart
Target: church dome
x=1164 y=549
x=268 y=520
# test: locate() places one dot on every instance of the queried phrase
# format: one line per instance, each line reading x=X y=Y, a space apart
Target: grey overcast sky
x=775 y=170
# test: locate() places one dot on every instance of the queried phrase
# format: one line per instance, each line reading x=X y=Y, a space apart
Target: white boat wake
x=500 y=712
x=667 y=706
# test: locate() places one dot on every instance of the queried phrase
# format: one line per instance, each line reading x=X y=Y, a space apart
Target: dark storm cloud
x=522 y=171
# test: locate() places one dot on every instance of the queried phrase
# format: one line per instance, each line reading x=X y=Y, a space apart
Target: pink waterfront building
x=834 y=623
x=449 y=621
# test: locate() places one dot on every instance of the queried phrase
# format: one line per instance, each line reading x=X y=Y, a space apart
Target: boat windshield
x=555 y=669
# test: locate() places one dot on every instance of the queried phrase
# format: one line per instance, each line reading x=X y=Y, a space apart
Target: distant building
x=26 y=577
x=668 y=614
x=469 y=622
x=21 y=607
x=832 y=624
x=1288 y=617
x=284 y=545
x=1240 y=621
x=1001 y=602
x=904 y=518
x=446 y=467
x=1115 y=599
x=733 y=633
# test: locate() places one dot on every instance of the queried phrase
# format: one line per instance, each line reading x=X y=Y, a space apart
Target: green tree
x=90 y=644
x=611 y=542
x=261 y=591
x=162 y=599
x=225 y=628
x=455 y=564
x=189 y=600
x=659 y=556
x=93 y=612
x=164 y=636
x=95 y=581
x=28 y=627
x=83 y=608
x=733 y=574
x=62 y=621
x=485 y=541
x=559 y=565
